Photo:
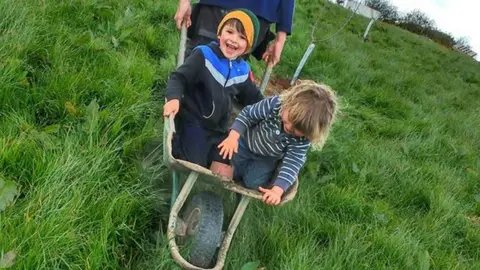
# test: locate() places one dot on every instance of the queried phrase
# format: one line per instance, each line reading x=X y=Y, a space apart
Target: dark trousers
x=196 y=144
x=253 y=170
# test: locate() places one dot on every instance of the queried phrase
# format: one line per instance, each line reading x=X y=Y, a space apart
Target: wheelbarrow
x=202 y=220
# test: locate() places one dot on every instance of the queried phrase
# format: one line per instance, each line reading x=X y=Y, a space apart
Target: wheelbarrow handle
x=266 y=78
x=168 y=122
x=171 y=123
x=182 y=46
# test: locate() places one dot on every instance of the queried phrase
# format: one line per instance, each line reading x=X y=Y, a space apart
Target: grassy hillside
x=397 y=185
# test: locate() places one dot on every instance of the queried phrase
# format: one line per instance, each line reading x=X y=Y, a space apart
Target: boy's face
x=288 y=125
x=232 y=43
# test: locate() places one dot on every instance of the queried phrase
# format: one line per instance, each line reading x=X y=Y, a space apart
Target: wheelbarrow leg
x=175 y=184
x=172 y=220
x=222 y=254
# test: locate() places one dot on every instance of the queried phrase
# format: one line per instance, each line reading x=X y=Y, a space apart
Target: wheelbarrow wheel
x=203 y=218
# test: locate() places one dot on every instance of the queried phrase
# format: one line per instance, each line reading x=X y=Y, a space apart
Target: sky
x=458 y=17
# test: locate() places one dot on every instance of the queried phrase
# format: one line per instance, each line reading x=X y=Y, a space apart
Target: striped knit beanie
x=250 y=24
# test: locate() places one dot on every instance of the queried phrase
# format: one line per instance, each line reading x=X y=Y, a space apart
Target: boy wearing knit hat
x=200 y=93
x=203 y=17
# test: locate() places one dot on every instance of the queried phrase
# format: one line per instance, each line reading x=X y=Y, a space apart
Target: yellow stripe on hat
x=246 y=22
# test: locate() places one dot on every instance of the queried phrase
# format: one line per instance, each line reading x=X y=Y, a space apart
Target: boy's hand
x=229 y=145
x=171 y=107
x=272 y=196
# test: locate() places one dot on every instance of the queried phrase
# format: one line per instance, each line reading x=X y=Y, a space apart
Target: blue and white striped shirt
x=260 y=126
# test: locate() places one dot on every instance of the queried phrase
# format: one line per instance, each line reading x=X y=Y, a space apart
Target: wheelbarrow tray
x=212 y=178
x=195 y=172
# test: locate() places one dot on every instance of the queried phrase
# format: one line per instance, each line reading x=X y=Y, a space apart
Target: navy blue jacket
x=279 y=12
x=207 y=84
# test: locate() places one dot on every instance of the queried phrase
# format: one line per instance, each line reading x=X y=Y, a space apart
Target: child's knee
x=258 y=175
x=222 y=169
x=251 y=184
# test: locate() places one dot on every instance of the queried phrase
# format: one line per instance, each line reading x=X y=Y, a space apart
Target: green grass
x=81 y=85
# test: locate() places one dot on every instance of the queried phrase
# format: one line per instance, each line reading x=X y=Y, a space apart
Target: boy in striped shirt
x=278 y=129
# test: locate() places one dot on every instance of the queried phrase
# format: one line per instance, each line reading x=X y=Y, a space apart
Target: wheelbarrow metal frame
x=175 y=224
x=172 y=226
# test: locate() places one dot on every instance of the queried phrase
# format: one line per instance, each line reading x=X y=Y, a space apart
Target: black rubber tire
x=207 y=236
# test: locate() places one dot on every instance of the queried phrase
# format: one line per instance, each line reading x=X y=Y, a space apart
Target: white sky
x=457 y=17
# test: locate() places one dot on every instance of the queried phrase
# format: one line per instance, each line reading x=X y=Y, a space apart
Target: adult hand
x=184 y=11
x=272 y=196
x=274 y=51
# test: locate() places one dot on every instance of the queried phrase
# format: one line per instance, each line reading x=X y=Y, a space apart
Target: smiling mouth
x=231 y=45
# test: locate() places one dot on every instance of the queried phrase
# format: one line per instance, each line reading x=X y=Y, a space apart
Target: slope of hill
x=397 y=185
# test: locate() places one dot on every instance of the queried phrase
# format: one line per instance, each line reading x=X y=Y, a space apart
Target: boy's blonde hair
x=311 y=108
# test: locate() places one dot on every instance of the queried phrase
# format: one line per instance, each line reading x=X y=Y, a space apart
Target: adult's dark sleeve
x=285 y=15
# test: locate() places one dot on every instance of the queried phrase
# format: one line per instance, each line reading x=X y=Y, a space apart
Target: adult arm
x=184 y=11
x=285 y=13
x=283 y=27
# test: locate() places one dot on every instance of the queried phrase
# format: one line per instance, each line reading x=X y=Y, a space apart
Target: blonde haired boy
x=277 y=129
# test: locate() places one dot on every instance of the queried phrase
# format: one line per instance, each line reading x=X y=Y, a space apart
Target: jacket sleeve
x=252 y=114
x=293 y=161
x=285 y=14
x=249 y=94
x=185 y=75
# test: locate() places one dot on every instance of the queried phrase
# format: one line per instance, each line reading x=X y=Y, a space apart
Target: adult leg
x=264 y=37
x=205 y=20
x=204 y=26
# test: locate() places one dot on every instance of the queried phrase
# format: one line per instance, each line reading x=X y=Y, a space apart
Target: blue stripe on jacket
x=260 y=125
x=219 y=68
